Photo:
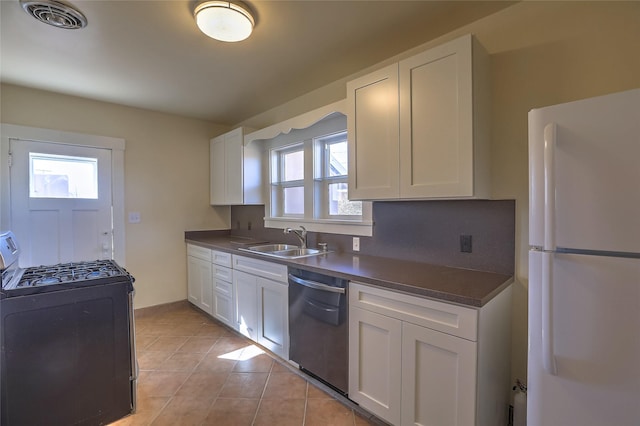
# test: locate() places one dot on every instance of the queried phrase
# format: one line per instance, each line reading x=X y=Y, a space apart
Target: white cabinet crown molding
x=301 y=121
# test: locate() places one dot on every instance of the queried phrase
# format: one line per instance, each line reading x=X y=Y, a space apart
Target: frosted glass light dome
x=224 y=21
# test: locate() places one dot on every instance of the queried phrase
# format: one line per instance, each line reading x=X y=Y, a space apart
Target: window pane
x=339 y=205
x=294 y=200
x=337 y=153
x=293 y=163
x=60 y=176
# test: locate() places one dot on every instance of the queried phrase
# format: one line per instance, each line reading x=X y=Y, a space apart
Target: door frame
x=116 y=145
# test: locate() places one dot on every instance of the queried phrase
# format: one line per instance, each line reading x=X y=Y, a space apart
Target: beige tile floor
x=195 y=371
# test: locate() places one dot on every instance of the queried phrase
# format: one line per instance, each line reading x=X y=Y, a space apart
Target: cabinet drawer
x=447 y=318
x=223 y=288
x=199 y=252
x=221 y=258
x=261 y=268
x=222 y=273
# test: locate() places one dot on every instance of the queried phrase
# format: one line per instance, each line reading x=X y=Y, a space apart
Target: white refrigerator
x=584 y=263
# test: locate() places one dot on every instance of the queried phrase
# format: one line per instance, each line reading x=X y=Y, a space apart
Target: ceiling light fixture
x=224 y=21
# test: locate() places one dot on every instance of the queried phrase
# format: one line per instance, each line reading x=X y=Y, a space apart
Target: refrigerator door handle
x=548 y=356
x=549 y=186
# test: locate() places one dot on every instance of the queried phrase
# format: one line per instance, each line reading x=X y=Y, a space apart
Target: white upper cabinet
x=373 y=133
x=436 y=145
x=444 y=147
x=235 y=170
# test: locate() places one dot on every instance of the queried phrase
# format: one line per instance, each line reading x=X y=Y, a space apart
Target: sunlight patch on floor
x=243 y=354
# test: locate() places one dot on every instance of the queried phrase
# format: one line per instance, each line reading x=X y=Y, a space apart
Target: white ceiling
x=150 y=54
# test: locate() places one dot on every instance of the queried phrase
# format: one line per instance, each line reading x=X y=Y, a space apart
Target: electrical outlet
x=465 y=244
x=356 y=244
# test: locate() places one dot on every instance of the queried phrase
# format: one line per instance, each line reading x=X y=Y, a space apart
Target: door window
x=62 y=176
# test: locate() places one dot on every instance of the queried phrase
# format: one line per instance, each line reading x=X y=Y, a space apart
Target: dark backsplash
x=421 y=231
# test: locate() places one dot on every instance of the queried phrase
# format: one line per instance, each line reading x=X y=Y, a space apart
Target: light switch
x=134 y=217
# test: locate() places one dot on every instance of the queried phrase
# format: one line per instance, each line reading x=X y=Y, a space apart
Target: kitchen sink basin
x=298 y=252
x=283 y=251
x=271 y=248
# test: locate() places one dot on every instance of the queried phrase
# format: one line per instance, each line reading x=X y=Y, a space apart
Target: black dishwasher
x=319 y=326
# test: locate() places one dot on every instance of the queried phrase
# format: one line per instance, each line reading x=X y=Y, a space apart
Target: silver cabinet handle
x=316 y=285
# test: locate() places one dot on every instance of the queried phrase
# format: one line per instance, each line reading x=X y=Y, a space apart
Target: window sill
x=345 y=227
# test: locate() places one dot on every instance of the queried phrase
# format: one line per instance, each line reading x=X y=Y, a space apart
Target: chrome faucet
x=300 y=233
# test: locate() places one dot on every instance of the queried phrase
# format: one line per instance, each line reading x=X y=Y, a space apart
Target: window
x=288 y=185
x=309 y=181
x=61 y=176
x=331 y=179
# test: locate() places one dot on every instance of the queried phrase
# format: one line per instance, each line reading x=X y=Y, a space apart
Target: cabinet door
x=375 y=363
x=373 y=137
x=273 y=316
x=436 y=122
x=233 y=154
x=438 y=378
x=223 y=301
x=218 y=171
x=245 y=296
x=199 y=283
x=206 y=292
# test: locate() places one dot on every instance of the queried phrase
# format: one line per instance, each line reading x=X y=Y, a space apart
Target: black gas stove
x=67 y=346
x=62 y=276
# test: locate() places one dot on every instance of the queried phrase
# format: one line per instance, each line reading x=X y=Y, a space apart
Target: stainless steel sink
x=299 y=252
x=270 y=248
x=283 y=251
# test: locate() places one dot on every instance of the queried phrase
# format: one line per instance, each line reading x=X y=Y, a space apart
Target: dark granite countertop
x=463 y=286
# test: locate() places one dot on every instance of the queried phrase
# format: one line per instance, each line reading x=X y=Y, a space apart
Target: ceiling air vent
x=55 y=13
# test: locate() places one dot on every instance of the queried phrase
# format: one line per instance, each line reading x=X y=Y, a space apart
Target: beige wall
x=166 y=178
x=542 y=53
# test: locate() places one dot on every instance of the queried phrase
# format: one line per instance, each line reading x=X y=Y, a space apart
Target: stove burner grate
x=65 y=273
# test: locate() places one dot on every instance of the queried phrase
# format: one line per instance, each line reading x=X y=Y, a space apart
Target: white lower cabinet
x=199 y=279
x=246 y=309
x=273 y=316
x=262 y=304
x=222 y=276
x=249 y=295
x=223 y=294
x=375 y=368
x=438 y=378
x=417 y=361
x=209 y=283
